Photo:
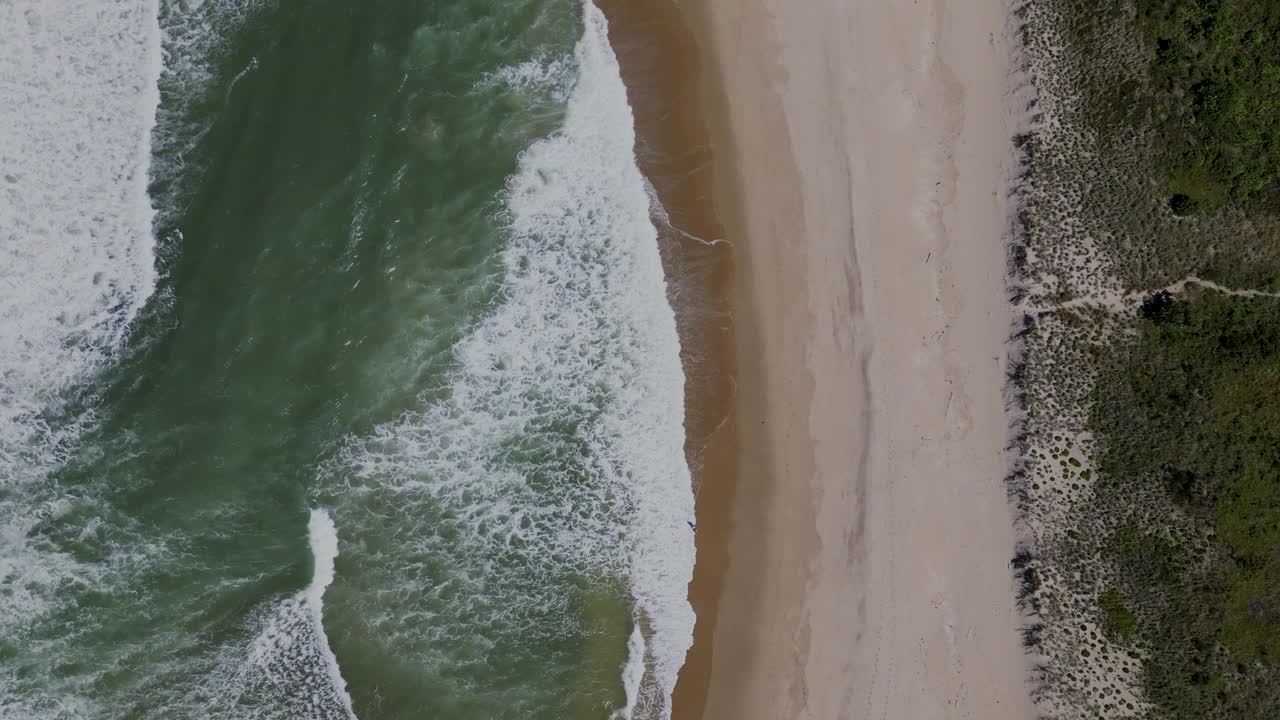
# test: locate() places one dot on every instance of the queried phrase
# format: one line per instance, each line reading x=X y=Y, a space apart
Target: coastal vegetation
x=1148 y=432
x=1216 y=85
x=1190 y=409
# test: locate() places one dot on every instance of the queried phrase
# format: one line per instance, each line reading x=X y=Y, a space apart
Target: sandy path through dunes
x=861 y=150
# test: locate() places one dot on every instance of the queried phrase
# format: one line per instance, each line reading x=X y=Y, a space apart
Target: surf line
x=323 y=539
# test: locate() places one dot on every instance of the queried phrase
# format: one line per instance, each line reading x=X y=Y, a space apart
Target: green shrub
x=1118 y=621
x=1217 y=82
x=1192 y=408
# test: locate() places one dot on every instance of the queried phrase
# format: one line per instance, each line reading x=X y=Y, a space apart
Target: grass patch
x=1193 y=189
x=1118 y=621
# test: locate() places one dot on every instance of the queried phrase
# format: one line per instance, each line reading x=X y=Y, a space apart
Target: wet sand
x=861 y=151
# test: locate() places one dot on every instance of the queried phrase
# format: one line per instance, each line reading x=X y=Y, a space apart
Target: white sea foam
x=79 y=105
x=649 y=422
x=324 y=548
x=290 y=665
x=552 y=76
x=581 y=337
x=280 y=667
x=78 y=99
x=632 y=673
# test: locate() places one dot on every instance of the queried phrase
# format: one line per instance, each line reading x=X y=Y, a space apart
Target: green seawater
x=407 y=311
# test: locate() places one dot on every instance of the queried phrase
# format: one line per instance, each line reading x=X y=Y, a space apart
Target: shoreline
x=660 y=65
x=862 y=167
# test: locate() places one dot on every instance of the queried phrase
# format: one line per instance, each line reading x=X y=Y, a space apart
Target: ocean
x=338 y=376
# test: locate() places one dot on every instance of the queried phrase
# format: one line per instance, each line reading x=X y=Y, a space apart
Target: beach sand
x=860 y=151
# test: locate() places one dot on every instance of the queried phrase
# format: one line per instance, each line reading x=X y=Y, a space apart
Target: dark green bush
x=1182 y=204
x=1193 y=406
x=1217 y=72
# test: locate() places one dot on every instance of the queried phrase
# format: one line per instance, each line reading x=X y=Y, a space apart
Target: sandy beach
x=860 y=152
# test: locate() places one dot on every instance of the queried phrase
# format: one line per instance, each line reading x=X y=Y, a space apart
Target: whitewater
x=78 y=99
x=549 y=459
x=582 y=336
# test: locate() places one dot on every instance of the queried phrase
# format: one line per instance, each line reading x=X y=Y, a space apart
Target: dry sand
x=860 y=150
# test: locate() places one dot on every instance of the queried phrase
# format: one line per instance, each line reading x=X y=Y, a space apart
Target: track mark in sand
x=893 y=681
x=949 y=628
x=875 y=673
x=959 y=702
x=887 y=667
x=880 y=665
